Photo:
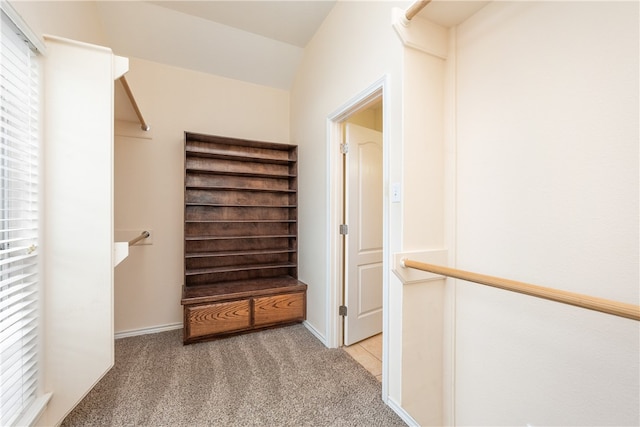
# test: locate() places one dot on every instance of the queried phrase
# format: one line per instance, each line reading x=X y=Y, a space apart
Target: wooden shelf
x=263 y=221
x=258 y=190
x=241 y=173
x=271 y=236
x=223 y=156
x=240 y=237
x=240 y=289
x=238 y=253
x=244 y=205
x=237 y=268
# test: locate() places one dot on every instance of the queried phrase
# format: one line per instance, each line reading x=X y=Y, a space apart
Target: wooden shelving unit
x=241 y=262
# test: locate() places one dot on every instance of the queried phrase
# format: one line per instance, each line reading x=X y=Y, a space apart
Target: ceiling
x=260 y=41
x=293 y=22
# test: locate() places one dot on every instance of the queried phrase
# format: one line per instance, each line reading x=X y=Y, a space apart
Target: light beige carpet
x=278 y=377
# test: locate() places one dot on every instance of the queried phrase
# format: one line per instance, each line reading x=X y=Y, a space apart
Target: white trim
x=451 y=221
x=334 y=247
x=421 y=34
x=410 y=275
x=36 y=42
x=149 y=330
x=31 y=416
x=315 y=332
x=402 y=413
x=82 y=45
x=378 y=90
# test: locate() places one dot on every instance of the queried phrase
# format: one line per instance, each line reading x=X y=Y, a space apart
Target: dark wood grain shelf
x=243 y=205
x=237 y=268
x=257 y=190
x=238 y=253
x=242 y=173
x=241 y=289
x=222 y=156
x=270 y=236
x=240 y=229
x=241 y=221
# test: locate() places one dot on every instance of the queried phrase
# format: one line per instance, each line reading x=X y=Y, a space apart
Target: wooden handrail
x=143 y=125
x=415 y=8
x=602 y=305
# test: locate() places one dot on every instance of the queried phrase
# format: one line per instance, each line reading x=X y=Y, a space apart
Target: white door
x=363 y=264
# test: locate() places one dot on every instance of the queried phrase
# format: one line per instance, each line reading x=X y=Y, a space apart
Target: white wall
x=78 y=221
x=547 y=193
x=149 y=176
x=354 y=48
x=423 y=227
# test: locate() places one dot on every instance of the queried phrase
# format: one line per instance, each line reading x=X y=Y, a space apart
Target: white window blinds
x=19 y=102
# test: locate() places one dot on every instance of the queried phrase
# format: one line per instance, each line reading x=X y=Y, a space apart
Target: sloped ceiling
x=260 y=42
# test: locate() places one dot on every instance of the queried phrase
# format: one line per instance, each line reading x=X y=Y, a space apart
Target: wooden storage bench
x=212 y=311
x=240 y=231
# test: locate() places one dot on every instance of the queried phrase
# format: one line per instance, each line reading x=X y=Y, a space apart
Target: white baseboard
x=150 y=330
x=315 y=332
x=402 y=413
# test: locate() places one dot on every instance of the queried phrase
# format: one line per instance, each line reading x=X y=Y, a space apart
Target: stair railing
x=602 y=305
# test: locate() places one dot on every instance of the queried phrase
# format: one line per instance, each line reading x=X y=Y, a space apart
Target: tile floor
x=368 y=353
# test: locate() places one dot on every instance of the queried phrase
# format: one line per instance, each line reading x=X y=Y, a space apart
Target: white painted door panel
x=364 y=241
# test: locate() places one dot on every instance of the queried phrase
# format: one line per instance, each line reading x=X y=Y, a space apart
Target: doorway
x=365 y=110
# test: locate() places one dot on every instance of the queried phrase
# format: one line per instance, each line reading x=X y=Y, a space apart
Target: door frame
x=379 y=90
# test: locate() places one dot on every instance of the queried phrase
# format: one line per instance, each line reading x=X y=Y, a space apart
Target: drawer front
x=217 y=318
x=279 y=308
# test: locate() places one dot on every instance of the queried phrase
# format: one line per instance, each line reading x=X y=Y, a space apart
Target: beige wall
x=423 y=229
x=370 y=117
x=355 y=47
x=547 y=193
x=347 y=55
x=76 y=20
x=149 y=176
x=149 y=173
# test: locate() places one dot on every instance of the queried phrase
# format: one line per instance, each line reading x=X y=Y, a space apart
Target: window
x=19 y=145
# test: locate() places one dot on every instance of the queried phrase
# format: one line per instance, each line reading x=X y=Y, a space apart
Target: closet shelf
x=270 y=236
x=257 y=190
x=240 y=221
x=239 y=158
x=242 y=205
x=201 y=271
x=242 y=173
x=199 y=294
x=195 y=255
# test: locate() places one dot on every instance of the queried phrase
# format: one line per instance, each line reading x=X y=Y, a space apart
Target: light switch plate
x=395 y=192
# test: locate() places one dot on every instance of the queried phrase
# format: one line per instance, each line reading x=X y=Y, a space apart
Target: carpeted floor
x=278 y=377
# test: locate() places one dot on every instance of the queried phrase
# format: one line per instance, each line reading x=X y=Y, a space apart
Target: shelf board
x=257 y=190
x=253 y=236
x=198 y=294
x=236 y=157
x=240 y=221
x=237 y=173
x=225 y=140
x=234 y=268
x=194 y=255
x=226 y=205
